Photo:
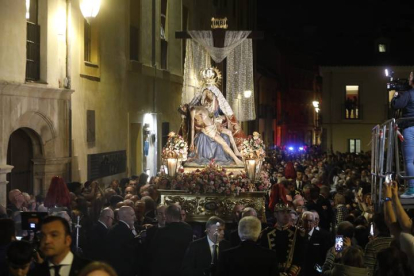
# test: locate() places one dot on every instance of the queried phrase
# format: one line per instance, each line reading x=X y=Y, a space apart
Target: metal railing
x=385 y=156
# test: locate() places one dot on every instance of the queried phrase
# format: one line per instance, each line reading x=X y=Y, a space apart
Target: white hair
x=249 y=228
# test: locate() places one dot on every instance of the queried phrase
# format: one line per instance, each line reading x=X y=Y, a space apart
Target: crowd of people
x=320 y=220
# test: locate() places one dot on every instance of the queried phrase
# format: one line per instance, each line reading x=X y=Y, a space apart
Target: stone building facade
x=78 y=96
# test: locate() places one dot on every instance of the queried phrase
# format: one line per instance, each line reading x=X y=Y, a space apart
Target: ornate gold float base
x=191 y=167
x=200 y=207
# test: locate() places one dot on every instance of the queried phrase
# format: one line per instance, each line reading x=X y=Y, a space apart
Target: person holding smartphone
x=344 y=234
x=380 y=240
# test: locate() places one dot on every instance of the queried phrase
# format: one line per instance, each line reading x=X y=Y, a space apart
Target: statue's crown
x=211 y=76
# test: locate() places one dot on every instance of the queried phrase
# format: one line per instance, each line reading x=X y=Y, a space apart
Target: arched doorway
x=20 y=155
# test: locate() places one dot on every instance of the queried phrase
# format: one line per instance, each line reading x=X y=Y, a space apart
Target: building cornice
x=34 y=90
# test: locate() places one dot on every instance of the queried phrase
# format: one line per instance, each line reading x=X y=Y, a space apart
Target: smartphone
x=371 y=230
x=388 y=179
x=339 y=243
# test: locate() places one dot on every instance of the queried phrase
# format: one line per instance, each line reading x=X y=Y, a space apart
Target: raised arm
x=402 y=217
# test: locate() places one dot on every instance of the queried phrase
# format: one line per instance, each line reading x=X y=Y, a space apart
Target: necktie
x=215 y=253
x=57 y=268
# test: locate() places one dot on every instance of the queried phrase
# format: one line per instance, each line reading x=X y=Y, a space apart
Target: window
x=134 y=29
x=352 y=102
x=90 y=35
x=87 y=41
x=90 y=66
x=382 y=48
x=354 y=145
x=33 y=43
x=164 y=42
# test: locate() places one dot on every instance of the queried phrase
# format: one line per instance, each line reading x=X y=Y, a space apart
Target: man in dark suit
x=326 y=234
x=199 y=255
x=169 y=244
x=248 y=258
x=97 y=235
x=55 y=244
x=119 y=244
x=316 y=246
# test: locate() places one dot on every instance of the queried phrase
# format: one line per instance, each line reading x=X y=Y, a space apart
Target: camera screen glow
x=32 y=225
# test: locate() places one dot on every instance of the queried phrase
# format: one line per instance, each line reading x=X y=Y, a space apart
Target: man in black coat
x=248 y=258
x=316 y=246
x=97 y=235
x=199 y=255
x=169 y=244
x=119 y=245
x=55 y=244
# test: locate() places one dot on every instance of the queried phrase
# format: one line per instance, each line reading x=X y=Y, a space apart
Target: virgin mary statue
x=214 y=131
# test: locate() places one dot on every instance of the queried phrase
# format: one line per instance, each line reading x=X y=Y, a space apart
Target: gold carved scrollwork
x=201 y=207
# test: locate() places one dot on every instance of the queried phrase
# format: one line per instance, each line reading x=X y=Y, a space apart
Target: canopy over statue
x=210 y=119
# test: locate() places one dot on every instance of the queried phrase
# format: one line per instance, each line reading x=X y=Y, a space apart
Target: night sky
x=342 y=33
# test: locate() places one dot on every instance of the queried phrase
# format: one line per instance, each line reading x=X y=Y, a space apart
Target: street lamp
x=90 y=8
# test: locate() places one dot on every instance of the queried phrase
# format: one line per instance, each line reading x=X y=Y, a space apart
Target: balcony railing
x=355 y=113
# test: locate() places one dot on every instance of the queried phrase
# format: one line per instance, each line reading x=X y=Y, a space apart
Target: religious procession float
x=210 y=165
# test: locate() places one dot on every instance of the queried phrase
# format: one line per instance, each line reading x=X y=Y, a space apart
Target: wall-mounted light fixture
x=90 y=8
x=247 y=94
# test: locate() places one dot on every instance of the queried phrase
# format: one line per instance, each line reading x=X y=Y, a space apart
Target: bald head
x=107 y=217
x=249 y=211
x=173 y=213
x=161 y=215
x=16 y=197
x=127 y=214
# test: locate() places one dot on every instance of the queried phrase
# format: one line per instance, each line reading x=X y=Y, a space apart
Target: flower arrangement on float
x=253 y=153
x=212 y=179
x=174 y=152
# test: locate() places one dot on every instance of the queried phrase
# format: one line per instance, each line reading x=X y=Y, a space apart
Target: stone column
x=4 y=170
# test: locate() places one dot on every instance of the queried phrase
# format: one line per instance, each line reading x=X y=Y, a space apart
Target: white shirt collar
x=66 y=261
x=103 y=224
x=210 y=243
x=66 y=264
x=311 y=232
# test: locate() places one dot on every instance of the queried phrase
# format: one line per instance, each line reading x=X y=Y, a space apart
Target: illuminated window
x=352 y=102
x=354 y=145
x=382 y=48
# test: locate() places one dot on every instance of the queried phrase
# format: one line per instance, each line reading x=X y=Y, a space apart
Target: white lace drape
x=231 y=41
x=196 y=59
x=239 y=79
x=238 y=51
